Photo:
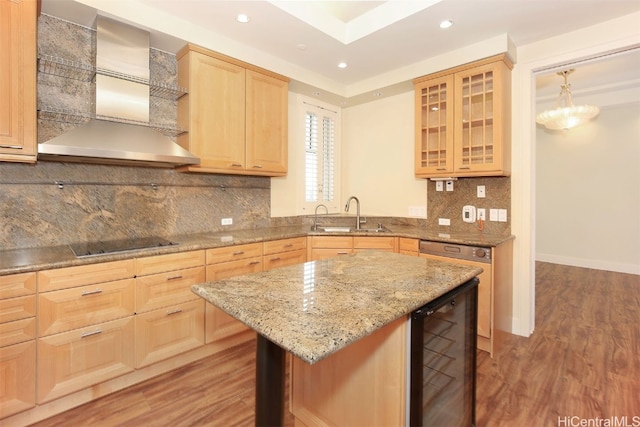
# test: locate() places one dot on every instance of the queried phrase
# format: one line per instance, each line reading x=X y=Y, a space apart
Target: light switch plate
x=493 y=214
x=502 y=215
x=449 y=185
x=482 y=214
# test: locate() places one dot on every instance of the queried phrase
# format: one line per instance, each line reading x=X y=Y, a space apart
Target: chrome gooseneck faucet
x=346 y=209
x=315 y=218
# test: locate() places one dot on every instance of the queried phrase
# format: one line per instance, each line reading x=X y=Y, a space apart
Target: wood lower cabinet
x=223 y=263
x=18 y=368
x=74 y=360
x=18 y=126
x=164 y=333
x=409 y=246
x=236 y=114
x=363 y=384
x=85 y=327
x=320 y=247
x=17 y=343
x=169 y=317
x=284 y=252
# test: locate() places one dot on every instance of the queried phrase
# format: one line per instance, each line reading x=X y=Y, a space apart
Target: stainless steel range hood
x=120 y=133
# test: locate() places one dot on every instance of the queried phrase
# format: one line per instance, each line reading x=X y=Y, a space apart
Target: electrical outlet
x=418 y=211
x=226 y=221
x=482 y=214
x=502 y=215
x=481 y=192
x=444 y=221
x=439 y=185
x=493 y=214
x=449 y=185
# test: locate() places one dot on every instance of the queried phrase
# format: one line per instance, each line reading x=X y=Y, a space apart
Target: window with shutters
x=321 y=127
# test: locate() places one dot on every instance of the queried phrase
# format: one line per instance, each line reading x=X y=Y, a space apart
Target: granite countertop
x=315 y=309
x=33 y=259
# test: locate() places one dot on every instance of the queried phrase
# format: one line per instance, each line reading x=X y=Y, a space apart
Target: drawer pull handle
x=236 y=165
x=179 y=276
x=254 y=262
x=275 y=259
x=464 y=167
x=257 y=166
x=441 y=169
x=177 y=310
x=288 y=245
x=238 y=253
x=88 y=334
x=95 y=291
x=343 y=253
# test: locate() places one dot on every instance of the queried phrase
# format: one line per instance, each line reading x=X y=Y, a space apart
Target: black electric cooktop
x=81 y=250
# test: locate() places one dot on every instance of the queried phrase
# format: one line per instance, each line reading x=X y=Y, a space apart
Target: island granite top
x=315 y=309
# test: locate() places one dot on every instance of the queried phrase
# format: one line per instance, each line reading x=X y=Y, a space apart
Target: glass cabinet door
x=477 y=138
x=434 y=148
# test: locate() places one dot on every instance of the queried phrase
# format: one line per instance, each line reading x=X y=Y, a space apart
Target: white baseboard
x=590 y=263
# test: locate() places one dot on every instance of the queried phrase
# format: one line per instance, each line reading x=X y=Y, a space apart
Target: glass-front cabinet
x=463 y=120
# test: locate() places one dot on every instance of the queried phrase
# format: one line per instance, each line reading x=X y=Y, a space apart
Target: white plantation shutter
x=320 y=156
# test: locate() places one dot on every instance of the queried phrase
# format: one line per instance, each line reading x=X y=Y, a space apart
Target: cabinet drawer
x=171 y=262
x=17 y=285
x=234 y=268
x=382 y=243
x=17 y=331
x=283 y=259
x=17 y=308
x=317 y=254
x=232 y=253
x=165 y=289
x=68 y=277
x=18 y=367
x=408 y=245
x=83 y=306
x=74 y=360
x=331 y=242
x=284 y=245
x=164 y=333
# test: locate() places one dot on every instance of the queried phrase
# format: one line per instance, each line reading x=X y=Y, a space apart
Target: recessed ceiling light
x=342 y=65
x=243 y=18
x=446 y=23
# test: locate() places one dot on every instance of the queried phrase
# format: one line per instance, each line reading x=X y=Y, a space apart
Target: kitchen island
x=315 y=309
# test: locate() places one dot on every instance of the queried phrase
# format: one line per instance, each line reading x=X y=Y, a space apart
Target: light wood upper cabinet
x=463 y=120
x=18 y=81
x=236 y=115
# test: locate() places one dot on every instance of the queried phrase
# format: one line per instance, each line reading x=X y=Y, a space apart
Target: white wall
x=378 y=157
x=589 y=42
x=588 y=192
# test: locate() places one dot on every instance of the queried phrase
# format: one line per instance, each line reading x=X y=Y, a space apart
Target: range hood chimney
x=120 y=133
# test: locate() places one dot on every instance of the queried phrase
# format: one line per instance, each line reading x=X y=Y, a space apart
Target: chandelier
x=566 y=115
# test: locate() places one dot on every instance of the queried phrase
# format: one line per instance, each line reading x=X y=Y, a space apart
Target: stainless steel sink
x=340 y=229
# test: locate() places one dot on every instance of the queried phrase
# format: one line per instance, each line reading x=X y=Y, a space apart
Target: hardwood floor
x=582 y=361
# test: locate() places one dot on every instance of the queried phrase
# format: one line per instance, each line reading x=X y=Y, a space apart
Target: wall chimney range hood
x=120 y=132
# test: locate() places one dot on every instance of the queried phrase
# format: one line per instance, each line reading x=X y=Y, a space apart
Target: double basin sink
x=345 y=229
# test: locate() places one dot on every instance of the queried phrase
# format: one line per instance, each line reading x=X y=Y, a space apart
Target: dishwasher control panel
x=454 y=250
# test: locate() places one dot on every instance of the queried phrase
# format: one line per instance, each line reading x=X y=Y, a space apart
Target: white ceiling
x=307 y=39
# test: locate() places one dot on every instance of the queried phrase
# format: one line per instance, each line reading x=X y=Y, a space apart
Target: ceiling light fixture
x=342 y=65
x=447 y=23
x=243 y=18
x=565 y=115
